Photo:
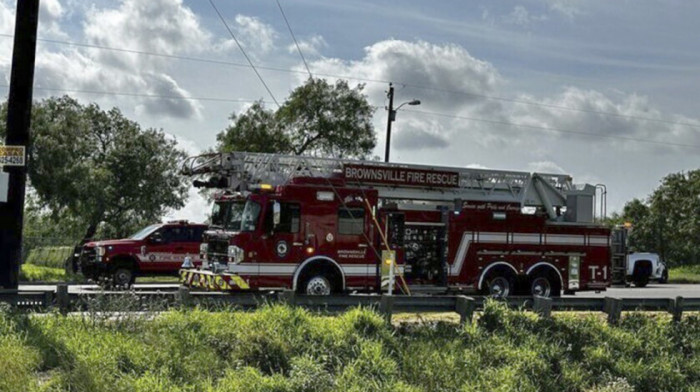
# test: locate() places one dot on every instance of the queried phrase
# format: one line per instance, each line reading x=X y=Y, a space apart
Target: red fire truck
x=320 y=226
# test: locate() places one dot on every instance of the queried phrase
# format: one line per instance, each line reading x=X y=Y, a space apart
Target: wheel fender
x=124 y=259
x=321 y=259
x=490 y=267
x=543 y=265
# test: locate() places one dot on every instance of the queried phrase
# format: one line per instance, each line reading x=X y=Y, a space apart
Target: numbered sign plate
x=12 y=155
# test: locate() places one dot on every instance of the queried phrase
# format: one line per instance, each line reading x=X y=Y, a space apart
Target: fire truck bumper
x=597 y=286
x=212 y=281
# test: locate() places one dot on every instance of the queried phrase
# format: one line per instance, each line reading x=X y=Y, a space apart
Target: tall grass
x=287 y=349
x=684 y=274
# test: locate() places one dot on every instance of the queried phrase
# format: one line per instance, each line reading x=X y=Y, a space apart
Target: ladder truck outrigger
x=323 y=225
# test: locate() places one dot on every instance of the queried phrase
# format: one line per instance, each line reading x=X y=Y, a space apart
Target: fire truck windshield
x=227 y=214
x=250 y=216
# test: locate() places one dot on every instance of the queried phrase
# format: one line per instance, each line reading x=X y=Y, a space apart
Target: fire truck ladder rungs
x=243 y=169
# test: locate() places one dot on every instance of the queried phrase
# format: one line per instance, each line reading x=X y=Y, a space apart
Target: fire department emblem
x=152 y=257
x=282 y=248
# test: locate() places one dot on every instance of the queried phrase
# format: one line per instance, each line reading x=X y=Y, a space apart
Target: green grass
x=287 y=349
x=684 y=274
x=36 y=273
x=49 y=256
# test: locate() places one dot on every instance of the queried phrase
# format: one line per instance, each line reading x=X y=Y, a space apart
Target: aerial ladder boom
x=241 y=170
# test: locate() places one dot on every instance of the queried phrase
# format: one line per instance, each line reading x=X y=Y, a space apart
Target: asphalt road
x=651 y=291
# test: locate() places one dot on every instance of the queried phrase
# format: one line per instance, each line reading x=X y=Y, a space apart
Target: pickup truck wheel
x=640 y=280
x=318 y=285
x=664 y=277
x=123 y=277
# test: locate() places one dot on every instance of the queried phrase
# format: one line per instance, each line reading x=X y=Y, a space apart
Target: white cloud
x=309 y=47
x=520 y=16
x=568 y=8
x=257 y=37
x=548 y=167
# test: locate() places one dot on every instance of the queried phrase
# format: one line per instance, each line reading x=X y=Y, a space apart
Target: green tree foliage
x=98 y=167
x=318 y=118
x=668 y=223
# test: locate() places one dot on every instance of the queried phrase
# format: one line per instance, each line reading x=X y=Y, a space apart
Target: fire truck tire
x=500 y=283
x=317 y=285
x=545 y=285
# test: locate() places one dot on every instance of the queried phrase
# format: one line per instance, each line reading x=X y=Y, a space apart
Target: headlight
x=235 y=254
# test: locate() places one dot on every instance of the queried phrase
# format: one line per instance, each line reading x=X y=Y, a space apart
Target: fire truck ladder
x=240 y=170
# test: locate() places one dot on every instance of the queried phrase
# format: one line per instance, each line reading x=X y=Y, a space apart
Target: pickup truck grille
x=88 y=255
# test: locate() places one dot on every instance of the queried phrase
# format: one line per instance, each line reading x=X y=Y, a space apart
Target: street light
x=392 y=118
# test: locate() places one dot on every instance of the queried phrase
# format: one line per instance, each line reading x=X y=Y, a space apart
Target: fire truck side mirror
x=276 y=213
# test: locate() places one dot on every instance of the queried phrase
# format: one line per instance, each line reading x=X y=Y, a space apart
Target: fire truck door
x=354 y=251
x=283 y=243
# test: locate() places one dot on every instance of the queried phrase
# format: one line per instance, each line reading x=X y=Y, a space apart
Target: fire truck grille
x=218 y=250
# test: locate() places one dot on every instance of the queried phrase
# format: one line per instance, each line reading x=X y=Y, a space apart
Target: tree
x=318 y=118
x=102 y=168
x=669 y=222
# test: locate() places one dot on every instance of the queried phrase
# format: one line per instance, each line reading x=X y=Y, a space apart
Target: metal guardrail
x=387 y=305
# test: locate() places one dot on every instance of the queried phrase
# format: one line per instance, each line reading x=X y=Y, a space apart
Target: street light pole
x=392 y=116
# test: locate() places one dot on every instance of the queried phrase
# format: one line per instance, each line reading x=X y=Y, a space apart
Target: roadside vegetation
x=684 y=274
x=289 y=349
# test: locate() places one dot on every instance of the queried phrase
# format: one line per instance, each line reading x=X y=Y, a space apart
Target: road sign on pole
x=12 y=156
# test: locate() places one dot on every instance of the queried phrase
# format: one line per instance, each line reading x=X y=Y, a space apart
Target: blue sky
x=584 y=81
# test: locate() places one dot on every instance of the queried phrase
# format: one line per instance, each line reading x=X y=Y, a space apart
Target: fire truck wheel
x=500 y=286
x=541 y=286
x=123 y=277
x=318 y=285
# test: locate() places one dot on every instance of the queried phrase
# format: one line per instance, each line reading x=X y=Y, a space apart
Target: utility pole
x=18 y=119
x=392 y=117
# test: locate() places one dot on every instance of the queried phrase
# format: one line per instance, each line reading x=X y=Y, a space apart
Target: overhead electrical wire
x=295 y=39
x=141 y=95
x=244 y=53
x=381 y=81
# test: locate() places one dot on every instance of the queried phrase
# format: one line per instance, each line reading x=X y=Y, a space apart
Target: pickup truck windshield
x=143 y=233
x=227 y=214
x=250 y=216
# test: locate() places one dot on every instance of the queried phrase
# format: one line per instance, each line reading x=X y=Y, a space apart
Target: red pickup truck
x=159 y=249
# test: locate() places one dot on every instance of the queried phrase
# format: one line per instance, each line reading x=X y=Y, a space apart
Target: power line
x=559 y=130
x=294 y=38
x=140 y=95
x=243 y=51
x=380 y=81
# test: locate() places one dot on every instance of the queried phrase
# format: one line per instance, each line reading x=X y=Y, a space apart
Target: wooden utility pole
x=19 y=109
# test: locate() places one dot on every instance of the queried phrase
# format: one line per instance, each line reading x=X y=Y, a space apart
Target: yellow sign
x=12 y=155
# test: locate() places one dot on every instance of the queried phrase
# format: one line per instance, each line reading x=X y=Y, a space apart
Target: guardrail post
x=613 y=307
x=184 y=297
x=678 y=309
x=386 y=307
x=465 y=307
x=542 y=306
x=287 y=297
x=62 y=298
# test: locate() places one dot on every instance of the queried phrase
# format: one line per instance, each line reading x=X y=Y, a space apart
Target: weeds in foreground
x=278 y=348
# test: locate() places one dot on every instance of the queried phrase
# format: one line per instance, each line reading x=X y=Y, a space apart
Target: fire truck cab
x=322 y=226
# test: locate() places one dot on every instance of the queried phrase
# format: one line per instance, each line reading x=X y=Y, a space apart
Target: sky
x=605 y=91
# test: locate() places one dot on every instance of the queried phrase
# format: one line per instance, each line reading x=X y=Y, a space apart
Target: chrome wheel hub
x=318 y=286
